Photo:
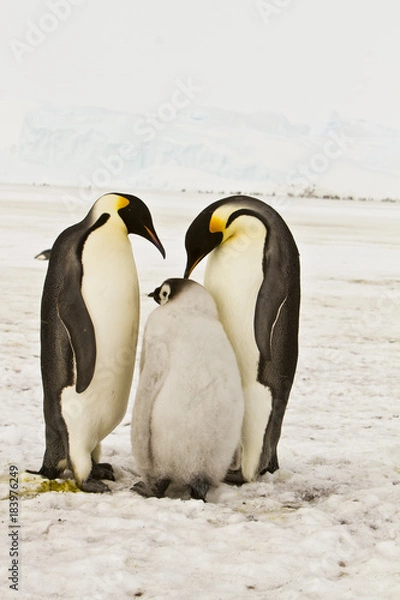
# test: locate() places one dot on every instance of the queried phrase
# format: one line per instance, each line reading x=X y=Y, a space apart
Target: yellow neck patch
x=121 y=202
x=216 y=224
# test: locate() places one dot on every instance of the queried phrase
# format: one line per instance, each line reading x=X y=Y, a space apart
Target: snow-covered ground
x=325 y=526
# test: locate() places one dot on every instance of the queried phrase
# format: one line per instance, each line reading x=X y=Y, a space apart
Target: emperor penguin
x=89 y=329
x=188 y=410
x=253 y=273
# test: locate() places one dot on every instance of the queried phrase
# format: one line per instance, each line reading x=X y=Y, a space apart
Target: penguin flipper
x=75 y=316
x=271 y=297
x=152 y=377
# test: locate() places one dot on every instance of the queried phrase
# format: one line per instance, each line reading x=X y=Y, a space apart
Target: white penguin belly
x=110 y=291
x=234 y=276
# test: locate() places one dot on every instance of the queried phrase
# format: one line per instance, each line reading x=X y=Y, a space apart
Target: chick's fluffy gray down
x=189 y=404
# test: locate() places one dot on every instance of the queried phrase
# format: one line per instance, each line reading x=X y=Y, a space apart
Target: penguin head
x=162 y=293
x=130 y=212
x=219 y=223
x=170 y=289
x=189 y=294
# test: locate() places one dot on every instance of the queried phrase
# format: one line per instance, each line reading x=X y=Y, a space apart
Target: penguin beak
x=155 y=294
x=135 y=215
x=153 y=238
x=191 y=267
x=202 y=238
x=198 y=246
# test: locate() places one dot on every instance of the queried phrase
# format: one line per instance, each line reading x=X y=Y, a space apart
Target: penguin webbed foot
x=151 y=489
x=235 y=477
x=141 y=488
x=94 y=486
x=102 y=471
x=199 y=488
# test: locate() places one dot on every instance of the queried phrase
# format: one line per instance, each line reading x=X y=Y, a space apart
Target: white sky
x=306 y=58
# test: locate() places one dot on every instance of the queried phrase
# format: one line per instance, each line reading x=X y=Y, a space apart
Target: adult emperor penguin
x=189 y=404
x=253 y=273
x=89 y=329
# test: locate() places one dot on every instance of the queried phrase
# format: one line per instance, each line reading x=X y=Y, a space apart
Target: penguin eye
x=165 y=293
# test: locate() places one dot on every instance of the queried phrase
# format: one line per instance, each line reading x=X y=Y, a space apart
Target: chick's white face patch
x=165 y=293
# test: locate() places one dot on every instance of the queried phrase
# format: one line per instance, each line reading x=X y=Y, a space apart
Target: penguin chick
x=189 y=404
x=89 y=328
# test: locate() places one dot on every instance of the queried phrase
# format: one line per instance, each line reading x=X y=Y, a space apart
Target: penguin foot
x=199 y=488
x=94 y=485
x=141 y=488
x=157 y=488
x=102 y=471
x=235 y=477
x=160 y=487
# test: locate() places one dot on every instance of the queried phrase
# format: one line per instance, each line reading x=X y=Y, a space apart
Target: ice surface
x=325 y=526
x=204 y=148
